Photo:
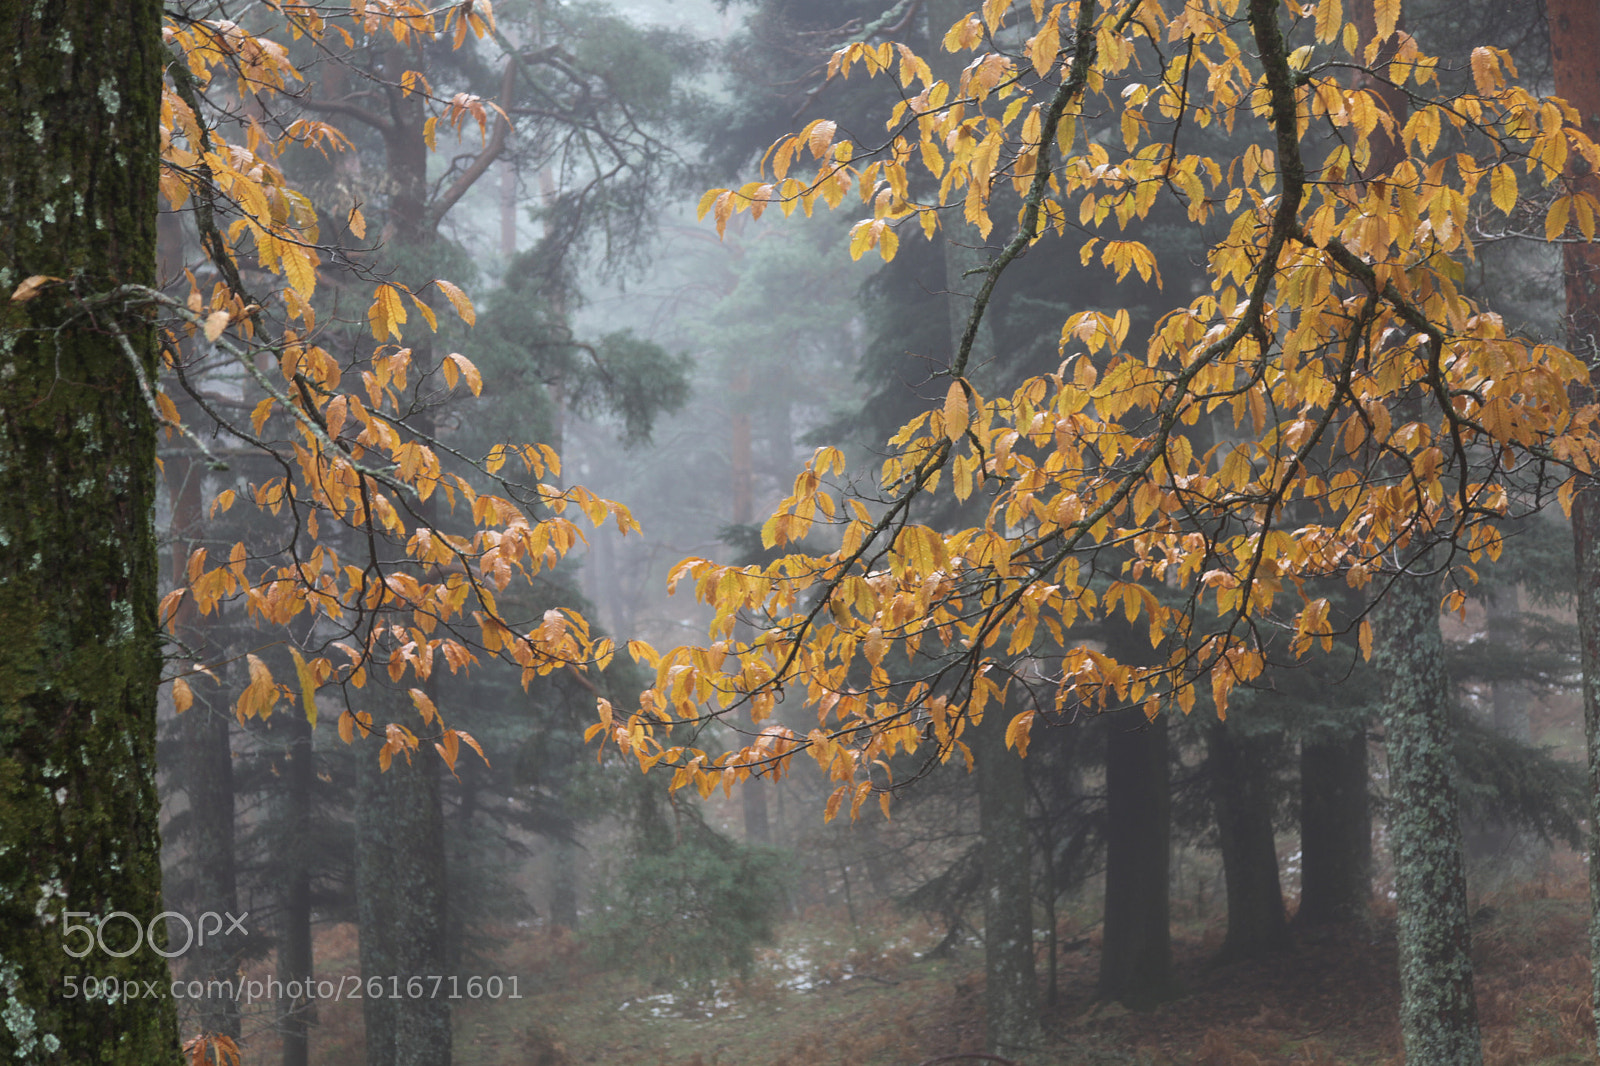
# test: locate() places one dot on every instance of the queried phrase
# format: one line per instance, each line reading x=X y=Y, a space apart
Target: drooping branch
x=491 y=152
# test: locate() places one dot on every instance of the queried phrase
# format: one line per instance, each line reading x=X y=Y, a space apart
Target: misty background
x=1237 y=869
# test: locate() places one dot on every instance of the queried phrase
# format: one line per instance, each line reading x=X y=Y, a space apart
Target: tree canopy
x=1330 y=404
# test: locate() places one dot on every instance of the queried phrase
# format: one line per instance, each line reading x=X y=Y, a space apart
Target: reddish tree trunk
x=1574 y=39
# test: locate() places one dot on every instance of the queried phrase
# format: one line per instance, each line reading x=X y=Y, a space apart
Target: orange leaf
x=458 y=300
x=457 y=361
x=30 y=288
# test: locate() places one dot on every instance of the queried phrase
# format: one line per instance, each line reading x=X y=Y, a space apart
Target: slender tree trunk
x=753 y=793
x=295 y=960
x=1136 y=944
x=564 y=885
x=508 y=210
x=1335 y=830
x=1508 y=700
x=1241 y=792
x=1438 y=1014
x=1011 y=988
x=1012 y=994
x=81 y=658
x=1574 y=41
x=207 y=777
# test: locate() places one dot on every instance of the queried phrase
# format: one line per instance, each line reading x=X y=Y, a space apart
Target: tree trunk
x=1011 y=989
x=293 y=856
x=1241 y=787
x=753 y=793
x=1574 y=41
x=206 y=774
x=1136 y=944
x=564 y=885
x=1438 y=1014
x=81 y=658
x=401 y=860
x=1335 y=830
x=400 y=895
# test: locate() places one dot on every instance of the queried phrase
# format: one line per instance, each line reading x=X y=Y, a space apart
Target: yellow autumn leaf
x=707 y=201
x=888 y=242
x=1043 y=47
x=182 y=695
x=955 y=411
x=298 y=269
x=259 y=416
x=1555 y=222
x=1388 y=16
x=308 y=686
x=457 y=361
x=1503 y=188
x=386 y=314
x=821 y=137
x=424 y=706
x=1486 y=69
x=426 y=312
x=860 y=238
x=458 y=300
x=1330 y=19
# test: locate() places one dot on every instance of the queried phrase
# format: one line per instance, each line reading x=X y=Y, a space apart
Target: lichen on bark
x=81 y=660
x=1438 y=1013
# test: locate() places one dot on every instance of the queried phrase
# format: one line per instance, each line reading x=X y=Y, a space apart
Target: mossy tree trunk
x=81 y=658
x=1438 y=1013
x=1574 y=40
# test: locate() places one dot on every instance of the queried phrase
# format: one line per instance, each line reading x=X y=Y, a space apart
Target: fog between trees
x=1377 y=846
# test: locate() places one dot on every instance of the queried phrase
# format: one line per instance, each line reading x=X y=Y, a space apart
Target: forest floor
x=827 y=995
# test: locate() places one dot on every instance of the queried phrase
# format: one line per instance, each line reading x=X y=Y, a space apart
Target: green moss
x=78 y=567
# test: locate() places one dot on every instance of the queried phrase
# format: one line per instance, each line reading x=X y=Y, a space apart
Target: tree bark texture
x=1574 y=40
x=400 y=901
x=1438 y=1014
x=1586 y=547
x=1136 y=946
x=1011 y=987
x=81 y=658
x=1335 y=830
x=1241 y=791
